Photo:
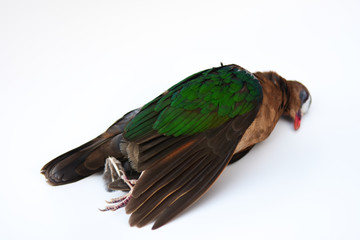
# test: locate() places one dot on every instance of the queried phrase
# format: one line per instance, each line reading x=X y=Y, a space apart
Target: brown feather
x=170 y=192
x=182 y=171
x=164 y=167
x=171 y=175
x=179 y=173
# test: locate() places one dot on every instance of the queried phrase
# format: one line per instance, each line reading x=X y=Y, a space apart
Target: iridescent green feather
x=200 y=102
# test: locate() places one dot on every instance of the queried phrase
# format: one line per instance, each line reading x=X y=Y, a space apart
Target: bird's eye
x=303 y=96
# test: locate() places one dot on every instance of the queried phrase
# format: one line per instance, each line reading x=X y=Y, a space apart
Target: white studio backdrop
x=69 y=69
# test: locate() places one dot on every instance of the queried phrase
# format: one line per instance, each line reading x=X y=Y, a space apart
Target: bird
x=169 y=152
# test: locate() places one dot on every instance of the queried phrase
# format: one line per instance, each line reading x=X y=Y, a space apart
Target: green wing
x=200 y=102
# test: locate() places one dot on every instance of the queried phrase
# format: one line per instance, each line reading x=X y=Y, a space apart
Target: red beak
x=297 y=120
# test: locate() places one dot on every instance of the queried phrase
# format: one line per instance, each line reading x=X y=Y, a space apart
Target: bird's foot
x=121 y=201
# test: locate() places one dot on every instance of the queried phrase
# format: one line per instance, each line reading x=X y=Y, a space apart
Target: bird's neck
x=275 y=101
x=276 y=89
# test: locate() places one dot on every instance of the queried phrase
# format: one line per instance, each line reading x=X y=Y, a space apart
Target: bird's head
x=298 y=103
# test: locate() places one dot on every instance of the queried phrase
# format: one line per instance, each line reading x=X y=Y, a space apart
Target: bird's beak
x=297 y=120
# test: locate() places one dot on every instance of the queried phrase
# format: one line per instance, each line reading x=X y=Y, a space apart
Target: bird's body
x=177 y=145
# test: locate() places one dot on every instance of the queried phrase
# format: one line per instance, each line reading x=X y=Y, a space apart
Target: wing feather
x=163 y=167
x=186 y=137
x=170 y=176
x=169 y=192
x=182 y=177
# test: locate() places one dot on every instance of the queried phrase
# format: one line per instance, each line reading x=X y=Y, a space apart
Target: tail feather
x=81 y=162
x=89 y=158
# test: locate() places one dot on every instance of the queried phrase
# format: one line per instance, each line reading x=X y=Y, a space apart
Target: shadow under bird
x=169 y=152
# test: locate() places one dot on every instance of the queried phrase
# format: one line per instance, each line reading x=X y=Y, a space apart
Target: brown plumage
x=178 y=170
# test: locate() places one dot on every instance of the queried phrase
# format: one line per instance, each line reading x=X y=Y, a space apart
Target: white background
x=69 y=69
